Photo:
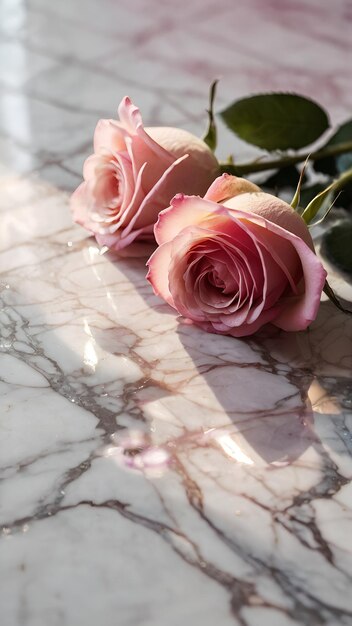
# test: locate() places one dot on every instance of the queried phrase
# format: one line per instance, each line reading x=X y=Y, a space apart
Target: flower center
x=215 y=279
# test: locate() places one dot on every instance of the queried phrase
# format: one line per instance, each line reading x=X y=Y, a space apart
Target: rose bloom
x=133 y=174
x=235 y=266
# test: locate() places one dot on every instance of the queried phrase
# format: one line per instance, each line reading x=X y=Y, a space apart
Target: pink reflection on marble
x=133 y=449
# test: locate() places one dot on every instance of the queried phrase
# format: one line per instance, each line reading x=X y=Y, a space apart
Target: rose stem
x=274 y=164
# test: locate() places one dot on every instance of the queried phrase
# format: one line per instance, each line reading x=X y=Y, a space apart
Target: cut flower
x=133 y=174
x=235 y=266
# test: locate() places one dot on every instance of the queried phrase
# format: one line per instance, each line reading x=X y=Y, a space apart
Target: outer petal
x=129 y=115
x=298 y=313
x=184 y=211
x=158 y=197
x=131 y=121
x=158 y=272
x=141 y=153
x=125 y=216
x=109 y=137
x=119 y=242
x=91 y=164
x=202 y=166
x=79 y=207
x=245 y=329
x=274 y=210
x=226 y=187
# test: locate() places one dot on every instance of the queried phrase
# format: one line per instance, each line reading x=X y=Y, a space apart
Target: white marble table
x=152 y=474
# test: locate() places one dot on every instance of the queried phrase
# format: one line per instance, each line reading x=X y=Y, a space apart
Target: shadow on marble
x=264 y=400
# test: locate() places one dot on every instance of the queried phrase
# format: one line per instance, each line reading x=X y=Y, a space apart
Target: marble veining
x=150 y=473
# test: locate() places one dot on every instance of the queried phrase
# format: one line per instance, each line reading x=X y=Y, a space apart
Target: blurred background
x=66 y=64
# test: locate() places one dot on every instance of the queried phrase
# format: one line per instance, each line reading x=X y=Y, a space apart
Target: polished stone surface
x=150 y=473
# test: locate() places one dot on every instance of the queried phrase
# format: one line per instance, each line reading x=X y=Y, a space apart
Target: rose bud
x=233 y=267
x=133 y=174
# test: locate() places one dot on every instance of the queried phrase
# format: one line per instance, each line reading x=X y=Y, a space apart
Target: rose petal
x=274 y=210
x=126 y=215
x=79 y=207
x=140 y=152
x=298 y=312
x=184 y=211
x=266 y=255
x=158 y=272
x=157 y=198
x=226 y=186
x=245 y=329
x=131 y=119
x=109 y=137
x=202 y=166
x=118 y=243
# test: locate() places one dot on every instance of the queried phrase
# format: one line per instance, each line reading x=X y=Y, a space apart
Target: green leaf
x=309 y=192
x=277 y=121
x=325 y=214
x=344 y=200
x=210 y=137
x=331 y=165
x=318 y=202
x=295 y=202
x=337 y=246
x=342 y=135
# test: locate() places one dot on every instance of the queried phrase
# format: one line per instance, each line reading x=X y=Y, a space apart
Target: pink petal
x=273 y=210
x=226 y=186
x=158 y=272
x=140 y=152
x=79 y=207
x=299 y=312
x=91 y=164
x=184 y=211
x=245 y=329
x=129 y=115
x=131 y=120
x=109 y=137
x=125 y=215
x=117 y=241
x=157 y=198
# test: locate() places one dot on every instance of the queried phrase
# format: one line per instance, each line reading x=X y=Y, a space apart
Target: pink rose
x=133 y=174
x=233 y=267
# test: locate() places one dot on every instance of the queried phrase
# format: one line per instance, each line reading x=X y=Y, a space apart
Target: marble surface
x=152 y=474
